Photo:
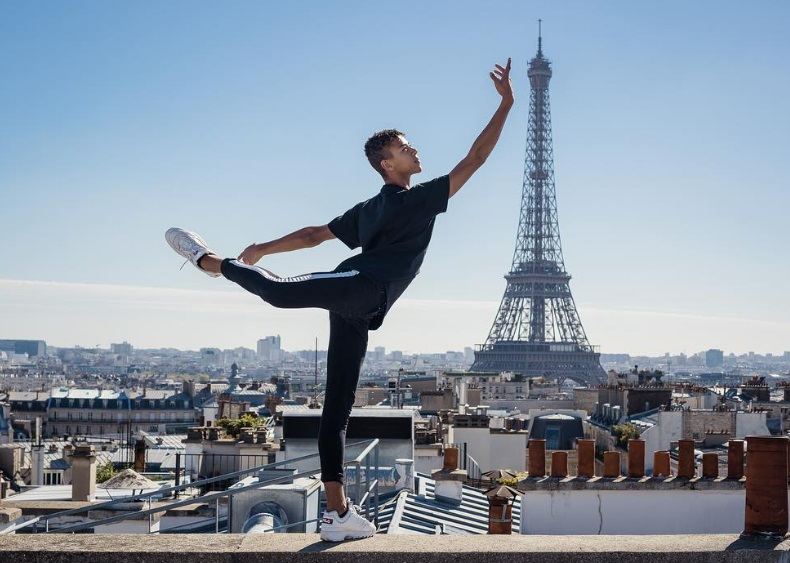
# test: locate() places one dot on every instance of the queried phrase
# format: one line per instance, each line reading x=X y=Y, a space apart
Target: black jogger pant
x=353 y=301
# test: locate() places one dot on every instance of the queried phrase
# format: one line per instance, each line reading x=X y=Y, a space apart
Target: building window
x=552 y=438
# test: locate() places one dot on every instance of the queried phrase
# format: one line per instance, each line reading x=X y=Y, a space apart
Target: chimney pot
x=611 y=464
x=559 y=464
x=661 y=466
x=500 y=519
x=586 y=449
x=537 y=457
x=83 y=481
x=636 y=458
x=686 y=463
x=766 y=486
x=450 y=459
x=710 y=465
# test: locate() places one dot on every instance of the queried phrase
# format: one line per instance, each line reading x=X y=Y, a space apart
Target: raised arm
x=303 y=238
x=488 y=138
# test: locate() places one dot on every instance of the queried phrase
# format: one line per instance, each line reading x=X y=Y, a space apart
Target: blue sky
x=246 y=120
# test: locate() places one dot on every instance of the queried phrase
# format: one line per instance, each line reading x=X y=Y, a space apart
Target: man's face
x=403 y=159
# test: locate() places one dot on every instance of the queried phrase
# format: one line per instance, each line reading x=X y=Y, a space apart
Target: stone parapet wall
x=307 y=548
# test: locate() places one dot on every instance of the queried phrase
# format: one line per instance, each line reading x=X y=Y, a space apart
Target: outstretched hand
x=501 y=78
x=250 y=255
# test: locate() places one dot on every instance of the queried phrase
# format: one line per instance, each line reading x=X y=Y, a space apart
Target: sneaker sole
x=341 y=536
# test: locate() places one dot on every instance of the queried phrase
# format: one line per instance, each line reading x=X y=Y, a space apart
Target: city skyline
x=246 y=122
x=214 y=306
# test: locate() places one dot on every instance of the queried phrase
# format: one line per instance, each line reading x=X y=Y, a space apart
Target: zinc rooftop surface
x=422 y=513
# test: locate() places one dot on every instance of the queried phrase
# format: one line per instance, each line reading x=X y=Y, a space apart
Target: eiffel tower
x=537 y=331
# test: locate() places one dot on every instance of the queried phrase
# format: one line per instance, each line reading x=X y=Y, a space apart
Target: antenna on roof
x=540 y=39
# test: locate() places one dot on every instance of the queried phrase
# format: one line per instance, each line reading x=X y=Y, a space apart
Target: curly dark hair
x=377 y=148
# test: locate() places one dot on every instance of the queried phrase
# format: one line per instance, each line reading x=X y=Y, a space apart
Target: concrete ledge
x=307 y=548
x=629 y=484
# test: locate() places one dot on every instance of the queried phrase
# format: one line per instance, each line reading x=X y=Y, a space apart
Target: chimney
x=83 y=482
x=68 y=451
x=500 y=508
x=188 y=388
x=449 y=480
x=404 y=469
x=37 y=463
x=766 y=487
x=139 y=454
x=586 y=464
x=687 y=466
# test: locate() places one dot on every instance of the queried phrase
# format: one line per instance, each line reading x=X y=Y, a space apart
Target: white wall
x=508 y=451
x=658 y=438
x=632 y=512
x=492 y=450
x=751 y=424
x=477 y=444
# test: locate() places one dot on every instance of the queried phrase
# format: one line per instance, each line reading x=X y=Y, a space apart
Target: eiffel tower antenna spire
x=537 y=331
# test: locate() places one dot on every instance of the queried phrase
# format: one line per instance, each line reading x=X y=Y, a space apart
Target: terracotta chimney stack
x=586 y=458
x=661 y=464
x=537 y=457
x=710 y=465
x=559 y=464
x=766 y=486
x=636 y=458
x=611 y=464
x=735 y=459
x=500 y=508
x=687 y=468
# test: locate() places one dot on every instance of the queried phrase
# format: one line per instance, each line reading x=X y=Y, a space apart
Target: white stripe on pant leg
x=303 y=277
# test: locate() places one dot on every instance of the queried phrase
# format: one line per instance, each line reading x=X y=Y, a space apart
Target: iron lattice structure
x=537 y=331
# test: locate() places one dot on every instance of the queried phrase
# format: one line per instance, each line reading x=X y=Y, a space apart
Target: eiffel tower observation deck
x=537 y=331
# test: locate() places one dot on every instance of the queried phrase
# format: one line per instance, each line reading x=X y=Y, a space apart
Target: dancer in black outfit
x=393 y=230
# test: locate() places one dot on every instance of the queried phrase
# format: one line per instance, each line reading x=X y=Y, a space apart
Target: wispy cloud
x=66 y=314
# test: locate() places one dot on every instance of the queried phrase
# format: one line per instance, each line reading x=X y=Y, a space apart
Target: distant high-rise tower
x=537 y=331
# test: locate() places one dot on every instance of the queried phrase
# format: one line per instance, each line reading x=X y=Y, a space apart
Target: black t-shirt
x=393 y=229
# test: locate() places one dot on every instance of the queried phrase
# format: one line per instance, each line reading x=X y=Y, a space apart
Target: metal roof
x=62 y=393
x=422 y=513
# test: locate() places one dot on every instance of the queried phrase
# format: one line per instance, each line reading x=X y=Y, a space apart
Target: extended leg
x=346 y=292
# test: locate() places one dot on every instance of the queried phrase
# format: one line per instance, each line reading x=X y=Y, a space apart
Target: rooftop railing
x=366 y=495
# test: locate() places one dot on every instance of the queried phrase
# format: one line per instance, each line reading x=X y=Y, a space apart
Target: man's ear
x=386 y=165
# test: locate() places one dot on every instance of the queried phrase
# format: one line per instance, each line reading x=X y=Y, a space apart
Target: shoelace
x=184 y=264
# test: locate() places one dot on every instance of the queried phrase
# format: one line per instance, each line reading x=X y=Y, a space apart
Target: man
x=393 y=229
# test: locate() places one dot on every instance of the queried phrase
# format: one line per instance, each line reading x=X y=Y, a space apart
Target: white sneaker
x=190 y=246
x=351 y=527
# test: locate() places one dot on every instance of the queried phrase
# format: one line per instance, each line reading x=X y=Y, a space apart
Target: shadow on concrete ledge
x=307 y=548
